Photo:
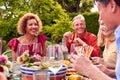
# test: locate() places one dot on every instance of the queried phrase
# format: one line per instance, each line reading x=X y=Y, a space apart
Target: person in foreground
x=29 y=26
x=107 y=9
x=2 y=76
x=81 y=37
x=107 y=39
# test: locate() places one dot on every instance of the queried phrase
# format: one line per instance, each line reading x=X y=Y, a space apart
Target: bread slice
x=86 y=50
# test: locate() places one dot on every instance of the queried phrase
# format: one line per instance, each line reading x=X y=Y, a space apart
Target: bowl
x=27 y=73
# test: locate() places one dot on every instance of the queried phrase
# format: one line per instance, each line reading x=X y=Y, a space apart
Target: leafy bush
x=92 y=22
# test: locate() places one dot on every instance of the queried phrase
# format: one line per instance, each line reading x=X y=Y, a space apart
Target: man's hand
x=67 y=35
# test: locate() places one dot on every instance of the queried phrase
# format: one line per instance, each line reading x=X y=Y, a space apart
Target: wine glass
x=37 y=48
x=55 y=56
x=16 y=70
x=72 y=47
x=22 y=48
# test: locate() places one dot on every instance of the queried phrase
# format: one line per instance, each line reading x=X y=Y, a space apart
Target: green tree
x=70 y=5
x=76 y=5
x=86 y=5
x=54 y=18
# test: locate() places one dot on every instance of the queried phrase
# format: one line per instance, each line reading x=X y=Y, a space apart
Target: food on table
x=32 y=62
x=34 y=66
x=87 y=50
x=67 y=63
x=70 y=71
x=76 y=77
x=19 y=59
x=24 y=57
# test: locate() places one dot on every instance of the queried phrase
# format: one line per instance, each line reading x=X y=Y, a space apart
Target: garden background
x=56 y=16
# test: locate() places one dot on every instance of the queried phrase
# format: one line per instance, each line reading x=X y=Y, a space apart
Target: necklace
x=28 y=39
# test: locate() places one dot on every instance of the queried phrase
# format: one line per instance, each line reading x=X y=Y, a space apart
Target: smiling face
x=79 y=26
x=105 y=30
x=32 y=27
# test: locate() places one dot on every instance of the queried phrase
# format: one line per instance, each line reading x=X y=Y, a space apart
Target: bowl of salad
x=28 y=70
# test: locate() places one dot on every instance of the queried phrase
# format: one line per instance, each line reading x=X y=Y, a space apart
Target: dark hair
x=117 y=2
x=105 y=2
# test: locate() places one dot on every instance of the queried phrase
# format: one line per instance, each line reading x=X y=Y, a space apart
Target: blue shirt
x=117 y=70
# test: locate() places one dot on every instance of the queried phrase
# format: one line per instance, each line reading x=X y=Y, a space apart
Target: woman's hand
x=97 y=60
x=103 y=68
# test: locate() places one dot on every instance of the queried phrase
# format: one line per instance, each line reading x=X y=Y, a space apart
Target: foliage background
x=56 y=16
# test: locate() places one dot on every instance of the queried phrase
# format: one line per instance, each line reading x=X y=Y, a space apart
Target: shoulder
x=89 y=34
x=13 y=42
x=41 y=36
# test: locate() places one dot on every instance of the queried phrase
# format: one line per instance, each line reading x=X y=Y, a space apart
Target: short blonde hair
x=22 y=23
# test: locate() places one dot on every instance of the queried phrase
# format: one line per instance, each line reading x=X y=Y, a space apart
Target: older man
x=81 y=36
x=109 y=12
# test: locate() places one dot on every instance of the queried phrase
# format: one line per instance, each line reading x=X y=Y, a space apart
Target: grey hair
x=81 y=17
x=78 y=17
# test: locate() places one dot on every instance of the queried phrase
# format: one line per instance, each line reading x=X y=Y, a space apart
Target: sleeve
x=42 y=39
x=96 y=48
x=13 y=43
x=117 y=34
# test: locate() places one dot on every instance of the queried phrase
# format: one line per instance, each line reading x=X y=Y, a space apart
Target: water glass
x=16 y=70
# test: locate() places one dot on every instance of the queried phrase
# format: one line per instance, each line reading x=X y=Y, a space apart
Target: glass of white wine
x=55 y=56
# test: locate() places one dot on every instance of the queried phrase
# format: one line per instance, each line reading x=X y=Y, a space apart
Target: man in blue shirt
x=117 y=34
x=109 y=12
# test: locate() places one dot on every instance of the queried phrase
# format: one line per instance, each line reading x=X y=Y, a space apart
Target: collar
x=83 y=36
